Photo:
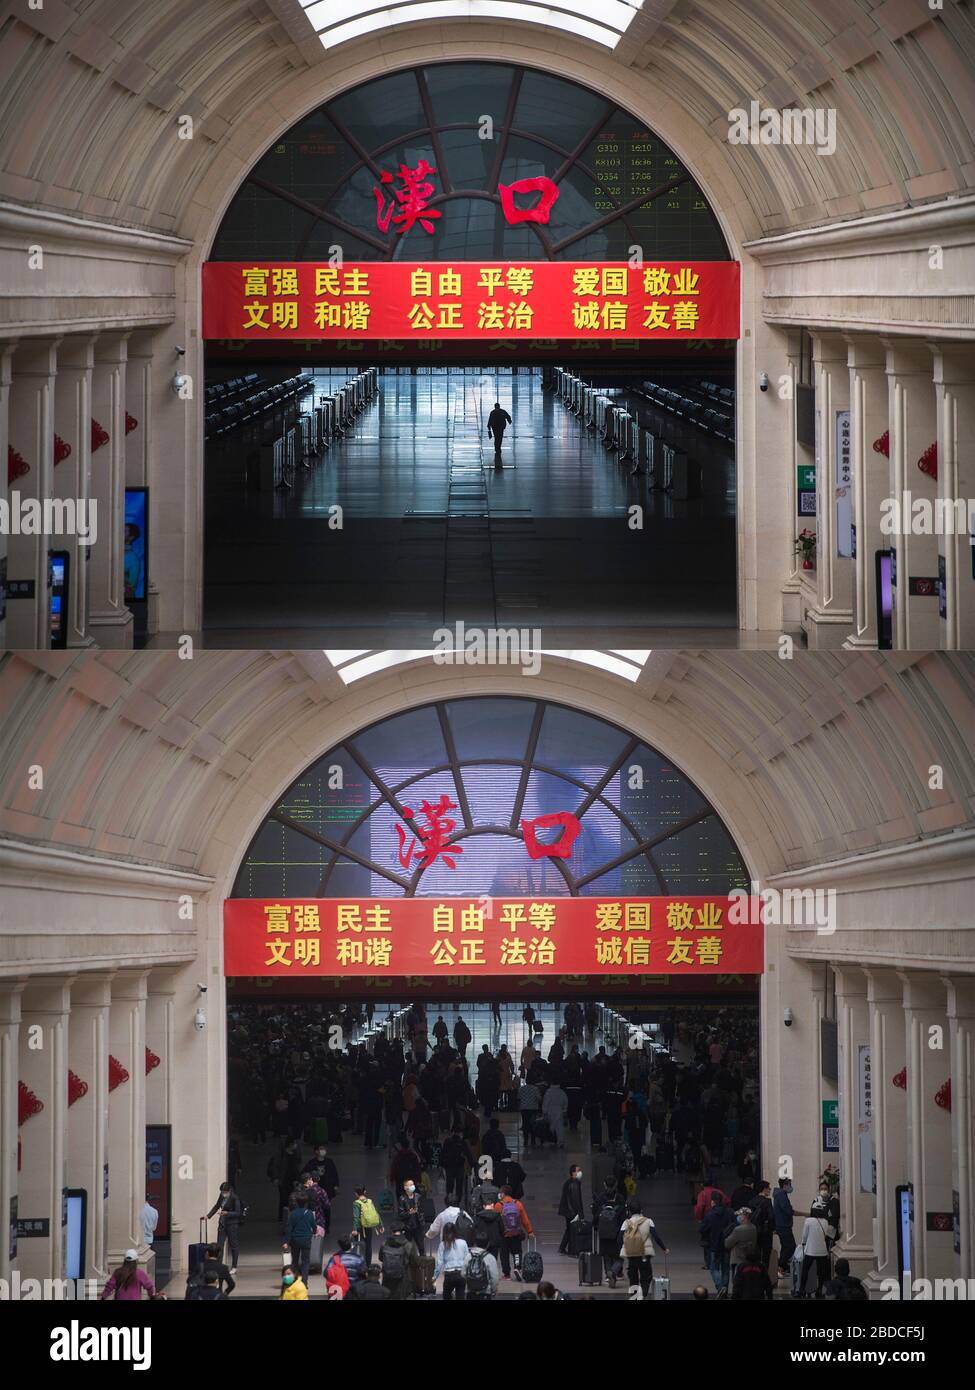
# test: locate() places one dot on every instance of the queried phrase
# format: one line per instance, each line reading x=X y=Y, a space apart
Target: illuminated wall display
x=542 y=299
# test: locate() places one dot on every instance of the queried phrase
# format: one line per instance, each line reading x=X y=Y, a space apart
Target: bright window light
x=353 y=666
x=338 y=21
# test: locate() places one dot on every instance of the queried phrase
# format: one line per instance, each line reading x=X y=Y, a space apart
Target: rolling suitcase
x=423 y=1284
x=198 y=1252
x=580 y=1237
x=317 y=1253
x=661 y=1284
x=532 y=1266
x=665 y=1155
x=590 y=1264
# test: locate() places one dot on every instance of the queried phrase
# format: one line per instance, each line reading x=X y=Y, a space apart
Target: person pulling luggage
x=639 y=1237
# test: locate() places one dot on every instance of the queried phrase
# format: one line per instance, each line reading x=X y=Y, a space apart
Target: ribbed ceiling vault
x=92 y=89
x=155 y=759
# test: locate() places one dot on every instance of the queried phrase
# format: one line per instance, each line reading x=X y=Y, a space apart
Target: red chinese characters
x=432 y=836
x=551 y=849
x=541 y=210
x=408 y=204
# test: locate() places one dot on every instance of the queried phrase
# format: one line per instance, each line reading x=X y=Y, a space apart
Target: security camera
x=787 y=1018
x=763 y=381
x=199 y=1020
x=202 y=988
x=179 y=350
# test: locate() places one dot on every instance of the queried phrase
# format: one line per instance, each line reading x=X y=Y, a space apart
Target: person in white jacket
x=817 y=1234
x=452 y=1256
x=555 y=1107
x=638 y=1228
x=449 y=1214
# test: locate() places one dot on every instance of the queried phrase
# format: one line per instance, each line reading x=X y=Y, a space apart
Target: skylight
x=338 y=21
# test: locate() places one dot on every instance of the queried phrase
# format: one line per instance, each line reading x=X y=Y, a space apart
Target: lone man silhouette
x=496 y=423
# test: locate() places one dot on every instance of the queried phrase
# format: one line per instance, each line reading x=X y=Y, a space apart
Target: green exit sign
x=831 y=1112
x=806 y=477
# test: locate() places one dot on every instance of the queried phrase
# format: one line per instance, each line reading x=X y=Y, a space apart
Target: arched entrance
x=413 y=838
x=395 y=517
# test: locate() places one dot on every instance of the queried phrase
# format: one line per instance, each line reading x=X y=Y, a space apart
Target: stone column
x=929 y=1126
x=32 y=435
x=792 y=588
x=791 y=1129
x=110 y=621
x=44 y=1068
x=871 y=479
x=885 y=997
x=72 y=476
x=161 y=1080
x=11 y=991
x=961 y=1024
x=6 y=375
x=954 y=384
x=127 y=1114
x=856 y=1131
x=912 y=426
x=91 y=1000
x=830 y=620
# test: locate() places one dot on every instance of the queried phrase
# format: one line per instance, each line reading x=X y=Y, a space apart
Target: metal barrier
x=681 y=475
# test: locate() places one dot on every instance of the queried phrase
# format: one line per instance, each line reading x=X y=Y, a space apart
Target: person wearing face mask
x=784 y=1215
x=410 y=1215
x=293 y=1287
x=572 y=1206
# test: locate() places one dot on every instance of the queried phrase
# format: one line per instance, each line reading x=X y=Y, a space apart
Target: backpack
x=634 y=1246
x=608 y=1222
x=463 y=1226
x=485 y=1231
x=477 y=1274
x=692 y=1158
x=369 y=1217
x=511 y=1219
x=337 y=1275
x=394 y=1261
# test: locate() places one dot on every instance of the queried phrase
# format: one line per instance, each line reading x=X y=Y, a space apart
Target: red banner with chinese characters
x=391 y=300
x=447 y=937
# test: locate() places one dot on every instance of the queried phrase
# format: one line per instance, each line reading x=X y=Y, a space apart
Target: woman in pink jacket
x=128 y=1281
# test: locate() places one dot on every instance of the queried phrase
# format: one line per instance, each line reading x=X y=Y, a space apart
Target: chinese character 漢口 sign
x=537 y=299
x=492 y=936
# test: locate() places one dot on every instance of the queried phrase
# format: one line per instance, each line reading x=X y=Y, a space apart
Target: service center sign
x=542 y=299
x=481 y=936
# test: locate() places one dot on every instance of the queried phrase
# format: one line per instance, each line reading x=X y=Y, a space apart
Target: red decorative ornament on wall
x=99 y=436
x=131 y=423
x=900 y=1080
x=62 y=450
x=942 y=1096
x=882 y=445
x=17 y=465
x=152 y=1061
x=76 y=1088
x=116 y=1073
x=27 y=1103
x=928 y=462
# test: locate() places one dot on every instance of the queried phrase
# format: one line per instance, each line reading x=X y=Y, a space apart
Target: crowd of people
x=688 y=1106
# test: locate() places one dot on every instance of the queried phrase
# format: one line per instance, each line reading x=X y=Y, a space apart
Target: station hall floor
x=665 y=1197
x=433 y=532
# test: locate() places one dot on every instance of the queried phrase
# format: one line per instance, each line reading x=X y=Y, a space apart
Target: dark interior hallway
x=433 y=532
